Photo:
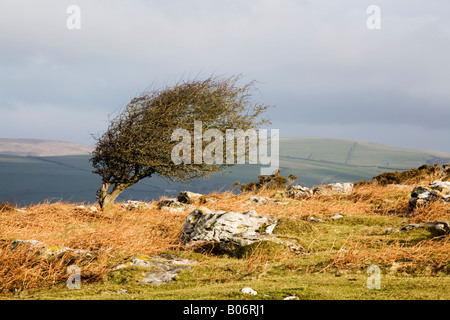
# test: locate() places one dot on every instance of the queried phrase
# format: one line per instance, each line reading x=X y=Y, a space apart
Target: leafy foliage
x=415 y=175
x=138 y=144
x=268 y=182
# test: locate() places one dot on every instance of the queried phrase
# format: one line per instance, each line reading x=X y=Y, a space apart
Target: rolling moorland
x=53 y=171
x=326 y=240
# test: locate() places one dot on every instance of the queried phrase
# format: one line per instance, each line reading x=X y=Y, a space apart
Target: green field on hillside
x=26 y=180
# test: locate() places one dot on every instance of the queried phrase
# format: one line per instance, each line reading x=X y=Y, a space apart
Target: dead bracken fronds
x=111 y=236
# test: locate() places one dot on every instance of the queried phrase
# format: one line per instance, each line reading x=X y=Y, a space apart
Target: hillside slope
x=314 y=161
x=39 y=147
x=325 y=160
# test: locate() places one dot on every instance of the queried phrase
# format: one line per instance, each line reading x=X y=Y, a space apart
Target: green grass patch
x=316 y=286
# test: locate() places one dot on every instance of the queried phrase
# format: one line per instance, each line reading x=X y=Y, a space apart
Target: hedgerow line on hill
x=341 y=163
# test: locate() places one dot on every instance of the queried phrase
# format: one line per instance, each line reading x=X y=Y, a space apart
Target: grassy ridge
x=315 y=161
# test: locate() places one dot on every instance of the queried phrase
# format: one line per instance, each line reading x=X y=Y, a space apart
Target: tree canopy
x=138 y=144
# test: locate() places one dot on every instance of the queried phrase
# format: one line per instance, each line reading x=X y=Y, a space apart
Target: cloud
x=316 y=61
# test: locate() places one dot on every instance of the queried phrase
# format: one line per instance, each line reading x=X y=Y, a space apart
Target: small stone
x=259 y=200
x=341 y=187
x=248 y=290
x=337 y=216
x=291 y=298
x=121 y=291
x=410 y=227
x=52 y=251
x=298 y=191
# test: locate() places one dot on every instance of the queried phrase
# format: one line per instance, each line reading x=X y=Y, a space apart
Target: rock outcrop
x=207 y=225
x=230 y=232
x=188 y=197
x=435 y=191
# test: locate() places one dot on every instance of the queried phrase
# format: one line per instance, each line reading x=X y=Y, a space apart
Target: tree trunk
x=105 y=199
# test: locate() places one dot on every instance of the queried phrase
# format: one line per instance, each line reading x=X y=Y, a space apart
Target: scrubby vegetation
x=268 y=182
x=421 y=174
x=335 y=252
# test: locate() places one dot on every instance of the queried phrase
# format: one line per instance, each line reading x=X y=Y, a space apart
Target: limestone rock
x=341 y=187
x=248 y=290
x=83 y=208
x=297 y=191
x=258 y=200
x=135 y=205
x=390 y=230
x=48 y=251
x=121 y=291
x=440 y=226
x=319 y=190
x=442 y=186
x=31 y=243
x=172 y=205
x=229 y=232
x=188 y=197
x=207 y=225
x=436 y=190
x=164 y=268
x=205 y=200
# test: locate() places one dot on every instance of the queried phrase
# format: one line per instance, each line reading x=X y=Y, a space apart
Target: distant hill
x=329 y=160
x=35 y=179
x=41 y=148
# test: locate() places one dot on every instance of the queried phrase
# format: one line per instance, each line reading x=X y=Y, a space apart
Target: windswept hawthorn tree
x=138 y=144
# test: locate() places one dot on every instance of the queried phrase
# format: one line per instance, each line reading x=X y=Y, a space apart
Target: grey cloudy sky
x=316 y=62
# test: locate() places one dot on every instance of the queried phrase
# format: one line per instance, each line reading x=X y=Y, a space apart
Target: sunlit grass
x=335 y=254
